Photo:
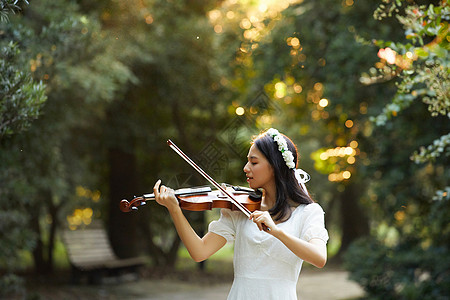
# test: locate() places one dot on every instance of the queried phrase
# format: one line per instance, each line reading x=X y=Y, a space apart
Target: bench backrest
x=87 y=246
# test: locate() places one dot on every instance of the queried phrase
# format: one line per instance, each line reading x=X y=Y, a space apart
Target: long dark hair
x=287 y=185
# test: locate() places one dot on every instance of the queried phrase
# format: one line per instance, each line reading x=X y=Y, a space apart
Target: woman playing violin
x=272 y=244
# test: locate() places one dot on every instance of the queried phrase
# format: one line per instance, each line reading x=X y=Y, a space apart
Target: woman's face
x=258 y=170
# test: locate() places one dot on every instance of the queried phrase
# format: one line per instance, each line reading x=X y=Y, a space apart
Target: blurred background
x=91 y=90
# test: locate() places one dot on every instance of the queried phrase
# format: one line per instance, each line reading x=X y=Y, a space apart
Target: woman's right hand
x=165 y=196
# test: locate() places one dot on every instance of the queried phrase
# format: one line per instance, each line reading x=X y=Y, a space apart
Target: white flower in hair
x=301 y=176
x=279 y=139
x=272 y=132
x=282 y=147
x=289 y=159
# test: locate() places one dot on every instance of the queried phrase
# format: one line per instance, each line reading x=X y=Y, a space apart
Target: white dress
x=264 y=268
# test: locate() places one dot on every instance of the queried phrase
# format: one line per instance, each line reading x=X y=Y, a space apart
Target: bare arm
x=314 y=251
x=199 y=248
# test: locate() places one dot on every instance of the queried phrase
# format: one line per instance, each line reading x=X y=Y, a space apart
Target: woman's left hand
x=264 y=221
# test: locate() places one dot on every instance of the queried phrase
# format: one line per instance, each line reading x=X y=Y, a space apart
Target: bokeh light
x=240 y=111
x=323 y=102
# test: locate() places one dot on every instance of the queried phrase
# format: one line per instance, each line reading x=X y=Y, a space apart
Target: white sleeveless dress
x=264 y=268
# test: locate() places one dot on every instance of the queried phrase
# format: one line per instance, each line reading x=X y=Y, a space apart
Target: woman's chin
x=252 y=185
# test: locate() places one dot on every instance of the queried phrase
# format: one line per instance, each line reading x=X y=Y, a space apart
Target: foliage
x=9 y=6
x=417 y=267
x=407 y=255
x=21 y=98
x=173 y=52
x=433 y=151
x=400 y=272
x=42 y=167
x=15 y=238
x=412 y=265
x=421 y=64
x=121 y=78
x=310 y=72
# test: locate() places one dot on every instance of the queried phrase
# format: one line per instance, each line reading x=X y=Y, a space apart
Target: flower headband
x=301 y=176
x=282 y=147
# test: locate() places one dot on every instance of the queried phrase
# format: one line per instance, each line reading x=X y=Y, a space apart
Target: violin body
x=215 y=200
x=203 y=198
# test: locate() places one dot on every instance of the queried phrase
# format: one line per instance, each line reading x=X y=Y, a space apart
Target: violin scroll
x=126 y=206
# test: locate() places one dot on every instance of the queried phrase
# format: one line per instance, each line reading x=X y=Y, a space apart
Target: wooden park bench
x=90 y=253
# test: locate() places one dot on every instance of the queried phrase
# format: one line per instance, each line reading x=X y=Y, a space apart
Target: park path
x=313 y=285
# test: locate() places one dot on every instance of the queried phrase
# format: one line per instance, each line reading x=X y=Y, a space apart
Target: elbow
x=321 y=262
x=198 y=258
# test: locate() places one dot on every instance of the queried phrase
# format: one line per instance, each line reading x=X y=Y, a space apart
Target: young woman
x=271 y=246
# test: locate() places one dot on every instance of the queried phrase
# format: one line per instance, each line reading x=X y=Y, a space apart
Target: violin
x=226 y=198
x=203 y=198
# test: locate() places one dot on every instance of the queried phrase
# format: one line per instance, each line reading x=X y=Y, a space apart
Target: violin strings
x=207 y=177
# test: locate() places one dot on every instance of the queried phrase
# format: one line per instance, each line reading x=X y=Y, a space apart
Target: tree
x=407 y=256
x=9 y=6
x=42 y=167
x=307 y=57
x=176 y=96
x=21 y=98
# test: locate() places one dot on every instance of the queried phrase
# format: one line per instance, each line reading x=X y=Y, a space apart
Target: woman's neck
x=269 y=197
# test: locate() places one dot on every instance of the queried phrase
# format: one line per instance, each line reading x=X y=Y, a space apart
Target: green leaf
x=421 y=52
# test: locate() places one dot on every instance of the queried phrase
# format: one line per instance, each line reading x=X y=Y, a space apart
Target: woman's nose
x=246 y=169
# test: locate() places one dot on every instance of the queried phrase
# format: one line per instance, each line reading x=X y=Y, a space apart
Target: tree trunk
x=40 y=266
x=53 y=211
x=122 y=227
x=42 y=255
x=172 y=255
x=353 y=219
x=155 y=252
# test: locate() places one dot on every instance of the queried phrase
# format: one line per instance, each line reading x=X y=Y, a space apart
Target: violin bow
x=174 y=147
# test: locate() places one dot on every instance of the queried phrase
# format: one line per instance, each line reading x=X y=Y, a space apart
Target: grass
x=218 y=267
